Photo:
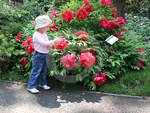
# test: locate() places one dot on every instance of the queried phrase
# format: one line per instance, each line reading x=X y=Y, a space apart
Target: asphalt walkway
x=14 y=98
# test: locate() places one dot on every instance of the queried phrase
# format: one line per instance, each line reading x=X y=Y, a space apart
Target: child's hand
x=57 y=40
x=49 y=47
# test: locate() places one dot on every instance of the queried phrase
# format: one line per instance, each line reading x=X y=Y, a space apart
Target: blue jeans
x=39 y=68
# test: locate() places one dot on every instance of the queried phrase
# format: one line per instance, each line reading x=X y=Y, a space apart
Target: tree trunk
x=119 y=5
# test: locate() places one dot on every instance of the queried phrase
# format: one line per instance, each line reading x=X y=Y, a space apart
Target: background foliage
x=120 y=61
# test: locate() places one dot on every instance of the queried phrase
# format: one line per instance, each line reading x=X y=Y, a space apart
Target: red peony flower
x=67 y=15
x=139 y=65
x=110 y=25
x=16 y=38
x=88 y=9
x=53 y=27
x=120 y=20
x=29 y=49
x=114 y=10
x=24 y=62
x=125 y=29
x=140 y=50
x=61 y=45
x=99 y=79
x=86 y=50
x=131 y=37
x=118 y=35
x=106 y=2
x=87 y=3
x=108 y=52
x=81 y=14
x=68 y=61
x=19 y=35
x=83 y=34
x=54 y=14
x=24 y=44
x=28 y=39
x=86 y=59
x=140 y=61
x=103 y=22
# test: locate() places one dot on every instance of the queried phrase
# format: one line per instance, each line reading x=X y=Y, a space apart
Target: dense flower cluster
x=111 y=24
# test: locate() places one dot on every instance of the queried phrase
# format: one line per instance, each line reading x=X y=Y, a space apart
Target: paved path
x=14 y=98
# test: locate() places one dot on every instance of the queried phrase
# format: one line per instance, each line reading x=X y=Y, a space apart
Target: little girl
x=41 y=46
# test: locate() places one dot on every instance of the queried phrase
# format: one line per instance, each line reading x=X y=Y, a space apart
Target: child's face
x=44 y=29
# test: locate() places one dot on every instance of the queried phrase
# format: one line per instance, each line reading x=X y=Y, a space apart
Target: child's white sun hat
x=42 y=21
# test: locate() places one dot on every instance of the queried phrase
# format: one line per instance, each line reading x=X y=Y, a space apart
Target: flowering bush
x=83 y=27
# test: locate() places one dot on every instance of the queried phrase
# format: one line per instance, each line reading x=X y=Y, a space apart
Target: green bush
x=113 y=62
x=140 y=25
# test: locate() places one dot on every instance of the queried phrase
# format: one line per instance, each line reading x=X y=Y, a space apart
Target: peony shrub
x=83 y=27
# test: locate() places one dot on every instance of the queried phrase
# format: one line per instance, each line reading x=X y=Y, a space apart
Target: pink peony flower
x=67 y=15
x=86 y=59
x=99 y=79
x=68 y=61
x=33 y=22
x=61 y=45
x=81 y=14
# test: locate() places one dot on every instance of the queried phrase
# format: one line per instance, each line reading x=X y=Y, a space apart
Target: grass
x=132 y=83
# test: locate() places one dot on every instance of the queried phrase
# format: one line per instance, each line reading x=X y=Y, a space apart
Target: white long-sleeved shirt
x=41 y=41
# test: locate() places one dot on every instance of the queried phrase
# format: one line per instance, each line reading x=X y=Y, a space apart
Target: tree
x=119 y=5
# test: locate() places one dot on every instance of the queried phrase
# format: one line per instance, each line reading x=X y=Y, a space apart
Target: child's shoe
x=46 y=87
x=34 y=90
